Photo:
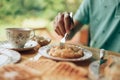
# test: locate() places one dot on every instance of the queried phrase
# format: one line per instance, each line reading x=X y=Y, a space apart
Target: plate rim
x=43 y=51
x=17 y=49
x=5 y=51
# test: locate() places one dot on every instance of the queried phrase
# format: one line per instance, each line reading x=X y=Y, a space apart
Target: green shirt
x=103 y=17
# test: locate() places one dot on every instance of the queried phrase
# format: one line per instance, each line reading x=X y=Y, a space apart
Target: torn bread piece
x=18 y=72
x=42 y=65
x=65 y=71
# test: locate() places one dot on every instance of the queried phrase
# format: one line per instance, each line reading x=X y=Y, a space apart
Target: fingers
x=67 y=22
x=56 y=26
x=59 y=24
x=63 y=23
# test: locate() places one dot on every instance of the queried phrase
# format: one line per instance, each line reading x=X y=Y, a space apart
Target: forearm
x=77 y=27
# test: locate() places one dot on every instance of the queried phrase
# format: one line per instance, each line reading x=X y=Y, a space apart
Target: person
x=103 y=18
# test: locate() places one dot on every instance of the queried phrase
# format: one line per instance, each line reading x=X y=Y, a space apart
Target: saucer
x=28 y=46
x=8 y=56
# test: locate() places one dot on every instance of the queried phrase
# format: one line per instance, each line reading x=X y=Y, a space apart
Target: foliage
x=14 y=12
x=36 y=8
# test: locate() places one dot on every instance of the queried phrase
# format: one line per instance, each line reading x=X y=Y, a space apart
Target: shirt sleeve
x=82 y=14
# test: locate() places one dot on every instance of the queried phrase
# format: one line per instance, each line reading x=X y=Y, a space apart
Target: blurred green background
x=32 y=13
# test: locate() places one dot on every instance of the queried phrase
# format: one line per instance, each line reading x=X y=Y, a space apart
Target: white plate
x=44 y=52
x=28 y=46
x=8 y=56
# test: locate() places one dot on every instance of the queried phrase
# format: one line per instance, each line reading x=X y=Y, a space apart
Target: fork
x=63 y=40
x=102 y=54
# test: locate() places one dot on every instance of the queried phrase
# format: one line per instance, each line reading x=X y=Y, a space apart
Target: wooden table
x=28 y=54
x=85 y=64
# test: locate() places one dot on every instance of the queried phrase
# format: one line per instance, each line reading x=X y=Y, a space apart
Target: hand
x=63 y=23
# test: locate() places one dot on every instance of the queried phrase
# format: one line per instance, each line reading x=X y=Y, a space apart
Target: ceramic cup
x=18 y=36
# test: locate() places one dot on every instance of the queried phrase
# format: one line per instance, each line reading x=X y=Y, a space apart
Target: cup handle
x=32 y=35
